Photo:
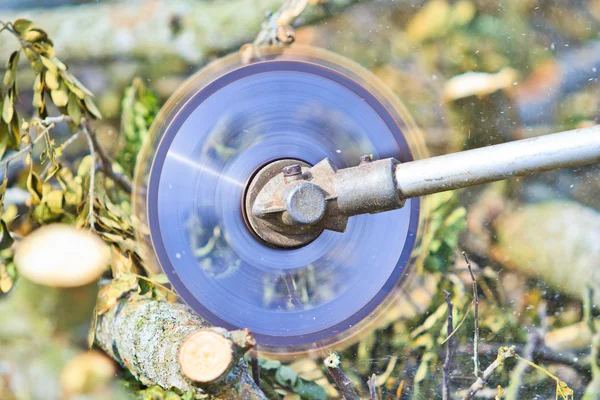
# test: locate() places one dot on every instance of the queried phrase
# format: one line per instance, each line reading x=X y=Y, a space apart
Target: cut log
x=166 y=344
x=186 y=29
x=558 y=242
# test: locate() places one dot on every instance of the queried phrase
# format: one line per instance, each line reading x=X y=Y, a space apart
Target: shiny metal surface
x=213 y=135
x=507 y=160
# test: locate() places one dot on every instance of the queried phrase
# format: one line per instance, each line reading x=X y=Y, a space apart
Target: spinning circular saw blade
x=223 y=126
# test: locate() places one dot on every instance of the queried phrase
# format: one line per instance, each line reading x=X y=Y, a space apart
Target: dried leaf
x=110 y=294
x=6 y=280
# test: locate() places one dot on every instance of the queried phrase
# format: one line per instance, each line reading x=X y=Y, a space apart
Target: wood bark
x=146 y=336
x=149 y=29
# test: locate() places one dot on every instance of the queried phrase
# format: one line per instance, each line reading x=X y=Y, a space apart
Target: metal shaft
x=502 y=161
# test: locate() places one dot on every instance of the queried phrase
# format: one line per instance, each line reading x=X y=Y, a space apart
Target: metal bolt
x=292 y=173
x=365 y=159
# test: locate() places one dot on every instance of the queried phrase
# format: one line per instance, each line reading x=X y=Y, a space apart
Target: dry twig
x=344 y=384
x=372 y=387
x=446 y=367
x=503 y=354
x=106 y=161
x=476 y=369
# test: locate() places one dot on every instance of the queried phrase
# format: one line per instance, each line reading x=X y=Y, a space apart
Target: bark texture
x=145 y=335
x=187 y=29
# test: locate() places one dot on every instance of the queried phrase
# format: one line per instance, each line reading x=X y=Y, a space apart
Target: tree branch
x=106 y=162
x=446 y=367
x=503 y=354
x=166 y=344
x=343 y=383
x=476 y=368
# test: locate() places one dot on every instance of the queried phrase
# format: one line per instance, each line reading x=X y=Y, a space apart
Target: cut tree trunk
x=186 y=29
x=166 y=344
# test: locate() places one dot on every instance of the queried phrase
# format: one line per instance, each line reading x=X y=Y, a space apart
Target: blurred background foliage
x=472 y=73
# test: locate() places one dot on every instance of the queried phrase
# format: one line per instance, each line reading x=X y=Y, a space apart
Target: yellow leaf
x=59 y=97
x=110 y=294
x=51 y=79
x=48 y=64
x=7 y=108
x=431 y=21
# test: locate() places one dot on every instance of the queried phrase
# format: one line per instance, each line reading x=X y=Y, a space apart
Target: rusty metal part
x=267 y=189
x=367 y=158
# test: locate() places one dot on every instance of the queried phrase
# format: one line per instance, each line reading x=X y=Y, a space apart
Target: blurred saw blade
x=216 y=131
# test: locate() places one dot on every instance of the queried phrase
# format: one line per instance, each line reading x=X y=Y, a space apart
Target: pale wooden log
x=166 y=344
x=558 y=242
x=187 y=29
x=62 y=256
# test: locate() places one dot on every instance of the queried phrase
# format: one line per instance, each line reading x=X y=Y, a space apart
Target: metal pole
x=493 y=163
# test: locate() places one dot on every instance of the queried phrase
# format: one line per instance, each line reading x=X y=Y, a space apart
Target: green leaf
x=269 y=365
x=60 y=97
x=22 y=25
x=38 y=99
x=15 y=137
x=37 y=83
x=11 y=69
x=4 y=136
x=145 y=286
x=309 y=390
x=51 y=79
x=3 y=190
x=91 y=107
x=34 y=184
x=59 y=64
x=74 y=109
x=50 y=66
x=55 y=200
x=8 y=108
x=286 y=376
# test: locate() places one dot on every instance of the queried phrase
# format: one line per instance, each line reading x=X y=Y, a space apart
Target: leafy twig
x=476 y=368
x=344 y=384
x=446 y=367
x=277 y=30
x=106 y=161
x=503 y=354
x=29 y=147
